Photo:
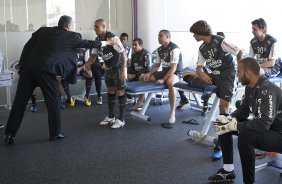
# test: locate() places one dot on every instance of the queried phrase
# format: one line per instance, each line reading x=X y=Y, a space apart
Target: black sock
x=182 y=96
x=98 y=84
x=122 y=102
x=111 y=105
x=88 y=85
x=33 y=99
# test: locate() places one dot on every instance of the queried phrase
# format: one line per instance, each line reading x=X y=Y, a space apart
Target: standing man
x=215 y=66
x=169 y=55
x=263 y=131
x=264 y=48
x=48 y=53
x=140 y=64
x=215 y=70
x=115 y=66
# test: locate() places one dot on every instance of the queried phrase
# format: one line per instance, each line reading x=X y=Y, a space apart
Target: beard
x=245 y=81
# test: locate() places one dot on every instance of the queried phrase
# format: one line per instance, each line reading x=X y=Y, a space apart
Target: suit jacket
x=52 y=49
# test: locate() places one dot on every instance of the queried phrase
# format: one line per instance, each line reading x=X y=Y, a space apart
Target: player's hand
x=160 y=81
x=147 y=77
x=206 y=78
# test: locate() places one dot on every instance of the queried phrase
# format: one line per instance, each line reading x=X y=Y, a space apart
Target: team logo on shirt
x=264 y=92
x=270 y=106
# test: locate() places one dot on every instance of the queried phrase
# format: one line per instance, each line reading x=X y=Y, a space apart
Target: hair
x=260 y=22
x=124 y=35
x=100 y=21
x=166 y=32
x=201 y=27
x=64 y=21
x=251 y=64
x=139 y=40
x=221 y=34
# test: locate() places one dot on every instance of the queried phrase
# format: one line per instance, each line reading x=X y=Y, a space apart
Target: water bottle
x=1 y=62
x=198 y=136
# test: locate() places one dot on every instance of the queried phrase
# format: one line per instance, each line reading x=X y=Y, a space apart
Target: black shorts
x=159 y=75
x=225 y=86
x=112 y=79
x=97 y=70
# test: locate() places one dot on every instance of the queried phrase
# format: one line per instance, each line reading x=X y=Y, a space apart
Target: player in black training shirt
x=140 y=64
x=262 y=100
x=114 y=65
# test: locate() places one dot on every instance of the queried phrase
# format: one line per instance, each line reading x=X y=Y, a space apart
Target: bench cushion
x=184 y=85
x=142 y=86
x=278 y=78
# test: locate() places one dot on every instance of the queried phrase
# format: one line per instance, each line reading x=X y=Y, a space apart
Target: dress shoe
x=8 y=139
x=57 y=137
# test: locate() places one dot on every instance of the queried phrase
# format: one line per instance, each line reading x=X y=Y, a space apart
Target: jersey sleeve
x=94 y=51
x=201 y=60
x=273 y=54
x=129 y=54
x=87 y=54
x=118 y=46
x=230 y=48
x=251 y=51
x=158 y=59
x=174 y=55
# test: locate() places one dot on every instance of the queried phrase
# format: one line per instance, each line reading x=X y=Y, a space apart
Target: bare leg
x=172 y=97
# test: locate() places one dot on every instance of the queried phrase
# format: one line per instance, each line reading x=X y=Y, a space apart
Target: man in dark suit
x=47 y=54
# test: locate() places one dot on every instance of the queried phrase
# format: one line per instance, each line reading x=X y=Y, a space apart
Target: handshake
x=224 y=124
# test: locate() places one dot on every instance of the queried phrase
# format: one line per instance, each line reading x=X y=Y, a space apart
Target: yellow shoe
x=87 y=101
x=72 y=102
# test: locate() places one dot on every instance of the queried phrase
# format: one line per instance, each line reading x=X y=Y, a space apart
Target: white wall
x=232 y=17
x=86 y=12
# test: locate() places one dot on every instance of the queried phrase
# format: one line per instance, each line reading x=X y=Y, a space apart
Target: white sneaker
x=107 y=121
x=118 y=124
x=99 y=101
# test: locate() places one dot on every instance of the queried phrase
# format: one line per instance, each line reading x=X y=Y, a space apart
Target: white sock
x=228 y=167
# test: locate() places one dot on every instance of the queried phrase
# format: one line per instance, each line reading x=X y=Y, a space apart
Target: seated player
x=88 y=72
x=169 y=55
x=140 y=64
x=264 y=48
x=262 y=100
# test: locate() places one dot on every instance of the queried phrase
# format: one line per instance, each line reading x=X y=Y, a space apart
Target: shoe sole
x=106 y=124
x=222 y=181
x=118 y=127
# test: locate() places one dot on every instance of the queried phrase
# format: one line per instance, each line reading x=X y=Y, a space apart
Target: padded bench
x=142 y=87
x=277 y=79
x=203 y=135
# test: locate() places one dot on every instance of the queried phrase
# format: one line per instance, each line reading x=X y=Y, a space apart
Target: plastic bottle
x=1 y=62
x=198 y=136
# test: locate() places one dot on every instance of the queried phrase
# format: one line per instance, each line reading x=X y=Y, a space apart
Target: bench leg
x=141 y=114
x=203 y=135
